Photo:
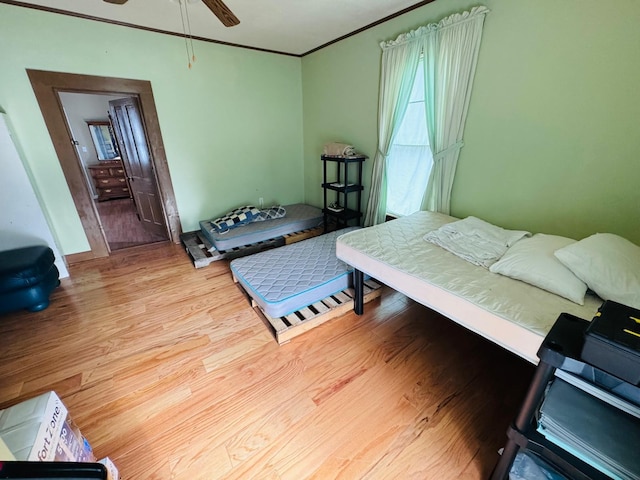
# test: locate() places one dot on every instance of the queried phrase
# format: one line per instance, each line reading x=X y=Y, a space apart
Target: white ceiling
x=288 y=26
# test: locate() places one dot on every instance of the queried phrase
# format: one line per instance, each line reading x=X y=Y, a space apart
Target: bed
x=508 y=312
x=298 y=217
x=288 y=278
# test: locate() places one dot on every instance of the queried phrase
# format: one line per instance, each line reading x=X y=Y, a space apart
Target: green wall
x=232 y=125
x=552 y=140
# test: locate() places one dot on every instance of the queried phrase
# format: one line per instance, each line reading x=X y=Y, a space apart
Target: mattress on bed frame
x=298 y=217
x=508 y=312
x=289 y=278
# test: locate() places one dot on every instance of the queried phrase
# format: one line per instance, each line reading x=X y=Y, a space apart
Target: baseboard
x=79 y=257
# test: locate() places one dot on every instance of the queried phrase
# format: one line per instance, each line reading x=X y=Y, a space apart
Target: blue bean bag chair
x=27 y=278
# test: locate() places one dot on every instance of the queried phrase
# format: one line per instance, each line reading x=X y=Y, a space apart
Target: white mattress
x=299 y=217
x=511 y=313
x=289 y=278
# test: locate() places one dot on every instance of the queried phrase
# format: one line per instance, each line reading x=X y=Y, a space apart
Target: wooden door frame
x=46 y=86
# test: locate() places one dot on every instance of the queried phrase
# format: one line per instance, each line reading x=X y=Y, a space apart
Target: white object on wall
x=22 y=220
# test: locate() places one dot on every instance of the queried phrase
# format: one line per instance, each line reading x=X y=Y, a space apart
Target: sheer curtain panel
x=450 y=65
x=409 y=161
x=399 y=64
x=450 y=49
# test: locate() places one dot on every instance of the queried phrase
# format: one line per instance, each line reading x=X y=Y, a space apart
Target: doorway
x=47 y=86
x=105 y=170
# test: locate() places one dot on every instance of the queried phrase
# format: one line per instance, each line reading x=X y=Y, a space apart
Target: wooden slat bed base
x=289 y=326
x=303 y=235
x=202 y=253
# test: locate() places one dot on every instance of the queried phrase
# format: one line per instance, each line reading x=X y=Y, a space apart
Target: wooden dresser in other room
x=109 y=179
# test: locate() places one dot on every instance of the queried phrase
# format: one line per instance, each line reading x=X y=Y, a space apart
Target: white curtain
x=409 y=161
x=450 y=50
x=399 y=66
x=450 y=63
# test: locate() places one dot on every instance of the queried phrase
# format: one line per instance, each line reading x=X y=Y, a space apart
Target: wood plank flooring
x=121 y=225
x=169 y=371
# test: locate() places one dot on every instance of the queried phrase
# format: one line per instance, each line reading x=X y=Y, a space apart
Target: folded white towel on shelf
x=338 y=149
x=475 y=240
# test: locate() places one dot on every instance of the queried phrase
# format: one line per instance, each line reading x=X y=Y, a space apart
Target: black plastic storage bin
x=612 y=341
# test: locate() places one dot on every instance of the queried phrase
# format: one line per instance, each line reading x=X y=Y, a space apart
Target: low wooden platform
x=296 y=323
x=202 y=253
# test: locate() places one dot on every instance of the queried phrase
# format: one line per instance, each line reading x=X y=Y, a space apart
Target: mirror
x=104 y=140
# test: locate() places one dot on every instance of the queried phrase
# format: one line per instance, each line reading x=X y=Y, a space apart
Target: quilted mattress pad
x=288 y=278
x=508 y=312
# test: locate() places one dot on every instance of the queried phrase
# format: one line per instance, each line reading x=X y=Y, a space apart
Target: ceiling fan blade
x=223 y=13
x=117 y=2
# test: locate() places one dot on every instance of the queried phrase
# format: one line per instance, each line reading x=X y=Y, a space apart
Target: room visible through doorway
x=155 y=208
x=121 y=225
x=106 y=169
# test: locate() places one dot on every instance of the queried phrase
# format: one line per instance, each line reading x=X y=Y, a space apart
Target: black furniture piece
x=27 y=278
x=52 y=470
x=342 y=210
x=560 y=358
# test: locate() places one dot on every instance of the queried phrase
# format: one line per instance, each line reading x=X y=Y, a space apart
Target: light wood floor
x=168 y=370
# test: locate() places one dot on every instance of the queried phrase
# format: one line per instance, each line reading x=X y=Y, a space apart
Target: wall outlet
x=261 y=202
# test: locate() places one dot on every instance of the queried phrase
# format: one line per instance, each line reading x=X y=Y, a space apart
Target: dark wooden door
x=134 y=149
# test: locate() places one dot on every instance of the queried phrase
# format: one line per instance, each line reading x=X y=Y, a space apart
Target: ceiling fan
x=219 y=9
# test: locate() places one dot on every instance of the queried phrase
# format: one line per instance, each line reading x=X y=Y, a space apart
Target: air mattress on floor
x=299 y=217
x=289 y=278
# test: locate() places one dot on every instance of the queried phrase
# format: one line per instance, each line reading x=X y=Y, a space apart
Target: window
x=409 y=162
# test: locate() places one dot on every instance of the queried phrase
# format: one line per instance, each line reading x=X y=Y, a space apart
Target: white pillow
x=608 y=264
x=531 y=260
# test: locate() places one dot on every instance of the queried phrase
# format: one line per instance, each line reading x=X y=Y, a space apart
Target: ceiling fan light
x=117 y=2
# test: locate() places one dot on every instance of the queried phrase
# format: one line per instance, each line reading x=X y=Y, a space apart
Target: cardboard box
x=40 y=429
x=5 y=453
x=112 y=471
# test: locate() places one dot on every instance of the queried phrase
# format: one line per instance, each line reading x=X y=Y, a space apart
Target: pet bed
x=288 y=278
x=298 y=217
x=508 y=312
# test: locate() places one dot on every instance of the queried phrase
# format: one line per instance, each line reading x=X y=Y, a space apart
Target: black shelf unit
x=343 y=187
x=561 y=350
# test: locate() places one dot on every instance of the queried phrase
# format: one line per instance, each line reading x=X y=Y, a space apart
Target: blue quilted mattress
x=289 y=278
x=299 y=217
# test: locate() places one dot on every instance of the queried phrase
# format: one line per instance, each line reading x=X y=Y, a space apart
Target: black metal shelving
x=560 y=357
x=342 y=210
